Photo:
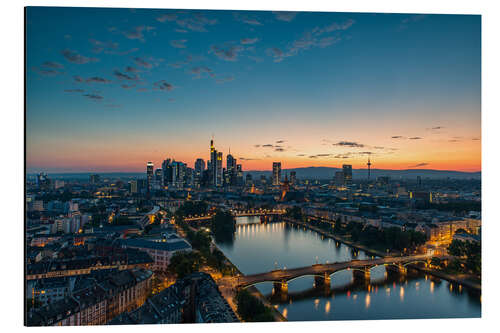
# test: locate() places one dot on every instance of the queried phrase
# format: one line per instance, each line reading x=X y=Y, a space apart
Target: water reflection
x=261 y=247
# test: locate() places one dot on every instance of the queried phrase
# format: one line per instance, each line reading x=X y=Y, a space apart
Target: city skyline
x=305 y=89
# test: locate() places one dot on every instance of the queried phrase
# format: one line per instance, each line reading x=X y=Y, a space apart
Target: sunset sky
x=110 y=89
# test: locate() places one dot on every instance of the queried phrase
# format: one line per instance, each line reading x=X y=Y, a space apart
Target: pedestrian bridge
x=322 y=272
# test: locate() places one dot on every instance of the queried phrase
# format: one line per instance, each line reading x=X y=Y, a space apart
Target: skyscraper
x=231 y=168
x=369 y=164
x=149 y=175
x=166 y=167
x=199 y=167
x=347 y=171
x=293 y=178
x=218 y=170
x=213 y=164
x=276 y=173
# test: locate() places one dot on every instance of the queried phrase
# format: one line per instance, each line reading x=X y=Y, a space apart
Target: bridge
x=322 y=272
x=238 y=213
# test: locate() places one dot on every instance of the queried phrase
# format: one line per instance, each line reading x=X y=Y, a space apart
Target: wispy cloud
x=199 y=71
x=178 y=44
x=224 y=79
x=123 y=76
x=418 y=165
x=137 y=32
x=97 y=79
x=227 y=53
x=190 y=21
x=349 y=144
x=74 y=57
x=94 y=96
x=248 y=41
x=397 y=137
x=285 y=16
x=74 y=90
x=163 y=85
x=415 y=138
x=99 y=46
x=248 y=19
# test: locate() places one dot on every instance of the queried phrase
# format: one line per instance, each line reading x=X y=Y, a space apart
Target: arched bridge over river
x=322 y=272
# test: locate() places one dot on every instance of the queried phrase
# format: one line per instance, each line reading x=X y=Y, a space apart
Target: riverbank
x=278 y=316
x=440 y=274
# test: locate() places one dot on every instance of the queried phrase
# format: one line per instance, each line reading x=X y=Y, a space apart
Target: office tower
x=199 y=167
x=178 y=174
x=149 y=175
x=95 y=179
x=276 y=173
x=231 y=168
x=239 y=175
x=213 y=164
x=293 y=178
x=347 y=171
x=339 y=178
x=189 y=177
x=134 y=187
x=158 y=182
x=248 y=179
x=218 y=170
x=166 y=167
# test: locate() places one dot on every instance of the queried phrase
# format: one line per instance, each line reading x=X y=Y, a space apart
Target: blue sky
x=109 y=89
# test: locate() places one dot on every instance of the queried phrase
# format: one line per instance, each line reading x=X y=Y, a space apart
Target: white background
x=12 y=160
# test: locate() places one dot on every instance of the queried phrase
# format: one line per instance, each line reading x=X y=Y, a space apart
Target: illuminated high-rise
x=347 y=171
x=276 y=173
x=149 y=175
x=218 y=170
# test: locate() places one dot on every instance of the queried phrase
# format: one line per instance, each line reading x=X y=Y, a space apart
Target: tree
x=184 y=263
x=457 y=248
x=223 y=226
x=250 y=308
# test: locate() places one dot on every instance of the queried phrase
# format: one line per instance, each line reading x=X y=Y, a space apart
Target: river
x=260 y=247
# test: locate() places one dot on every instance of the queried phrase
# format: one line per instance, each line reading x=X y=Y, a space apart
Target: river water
x=260 y=247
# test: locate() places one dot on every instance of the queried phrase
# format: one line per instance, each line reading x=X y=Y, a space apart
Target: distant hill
x=302 y=173
x=329 y=173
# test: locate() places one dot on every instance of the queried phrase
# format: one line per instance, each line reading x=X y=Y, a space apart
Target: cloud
x=163 y=85
x=123 y=76
x=143 y=63
x=276 y=53
x=248 y=159
x=267 y=145
x=301 y=154
x=415 y=138
x=100 y=46
x=97 y=79
x=437 y=128
x=418 y=165
x=131 y=69
x=256 y=146
x=225 y=79
x=285 y=16
x=178 y=44
x=122 y=53
x=317 y=37
x=279 y=149
x=76 y=58
x=397 y=137
x=246 y=19
x=248 y=41
x=94 y=96
x=128 y=86
x=47 y=71
x=137 y=32
x=411 y=19
x=74 y=90
x=190 y=21
x=349 y=144
x=342 y=156
x=378 y=147
x=52 y=64
x=167 y=17
x=199 y=71
x=78 y=79
x=281 y=141
x=228 y=53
